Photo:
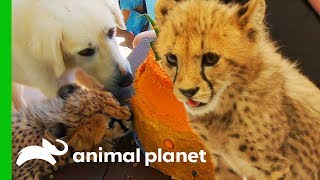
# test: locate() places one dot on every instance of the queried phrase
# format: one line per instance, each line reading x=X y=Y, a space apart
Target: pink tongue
x=193 y=103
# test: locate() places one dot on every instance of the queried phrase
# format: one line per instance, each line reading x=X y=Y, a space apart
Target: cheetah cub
x=256 y=113
x=84 y=119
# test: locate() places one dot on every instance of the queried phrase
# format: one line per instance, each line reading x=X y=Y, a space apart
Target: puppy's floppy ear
x=253 y=12
x=162 y=8
x=45 y=45
x=115 y=10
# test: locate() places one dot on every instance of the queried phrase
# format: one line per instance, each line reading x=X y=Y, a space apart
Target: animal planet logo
x=45 y=152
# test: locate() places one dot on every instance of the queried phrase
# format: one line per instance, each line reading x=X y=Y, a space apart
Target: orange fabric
x=154 y=88
x=161 y=122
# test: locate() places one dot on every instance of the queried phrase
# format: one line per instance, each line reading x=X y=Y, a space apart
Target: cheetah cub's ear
x=250 y=18
x=56 y=131
x=65 y=90
x=163 y=8
x=252 y=13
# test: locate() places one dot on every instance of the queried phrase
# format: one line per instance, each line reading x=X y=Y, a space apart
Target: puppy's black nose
x=189 y=92
x=65 y=90
x=126 y=80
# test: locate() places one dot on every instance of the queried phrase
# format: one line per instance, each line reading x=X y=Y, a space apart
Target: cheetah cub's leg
x=222 y=171
x=269 y=165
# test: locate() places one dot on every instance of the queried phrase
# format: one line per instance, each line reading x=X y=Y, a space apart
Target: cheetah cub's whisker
x=255 y=112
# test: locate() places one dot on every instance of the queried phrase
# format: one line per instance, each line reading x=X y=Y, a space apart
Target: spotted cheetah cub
x=256 y=113
x=84 y=119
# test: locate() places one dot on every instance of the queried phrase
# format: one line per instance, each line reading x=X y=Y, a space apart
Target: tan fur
x=261 y=119
x=86 y=115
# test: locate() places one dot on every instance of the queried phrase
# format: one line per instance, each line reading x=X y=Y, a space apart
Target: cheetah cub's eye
x=172 y=59
x=210 y=59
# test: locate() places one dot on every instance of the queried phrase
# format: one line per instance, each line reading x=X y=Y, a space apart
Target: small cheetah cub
x=84 y=119
x=256 y=113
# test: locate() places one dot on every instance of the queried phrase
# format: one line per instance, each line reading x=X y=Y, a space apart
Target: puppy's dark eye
x=87 y=52
x=210 y=59
x=110 y=33
x=172 y=59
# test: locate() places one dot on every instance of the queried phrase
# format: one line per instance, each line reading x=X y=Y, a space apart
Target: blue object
x=135 y=22
x=150 y=4
x=130 y=4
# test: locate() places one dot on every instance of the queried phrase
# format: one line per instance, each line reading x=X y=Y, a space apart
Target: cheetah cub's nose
x=189 y=93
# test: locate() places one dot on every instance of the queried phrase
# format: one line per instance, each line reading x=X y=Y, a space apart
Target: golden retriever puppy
x=50 y=37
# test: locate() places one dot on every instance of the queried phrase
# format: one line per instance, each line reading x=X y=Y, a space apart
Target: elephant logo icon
x=45 y=152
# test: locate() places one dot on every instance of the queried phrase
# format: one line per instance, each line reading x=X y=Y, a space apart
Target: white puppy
x=51 y=36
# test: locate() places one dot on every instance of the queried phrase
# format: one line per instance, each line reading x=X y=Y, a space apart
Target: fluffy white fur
x=48 y=34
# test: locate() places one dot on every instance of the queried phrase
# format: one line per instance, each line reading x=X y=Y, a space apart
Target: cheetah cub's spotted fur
x=84 y=119
x=256 y=113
